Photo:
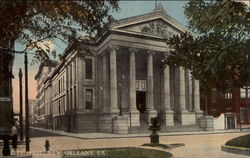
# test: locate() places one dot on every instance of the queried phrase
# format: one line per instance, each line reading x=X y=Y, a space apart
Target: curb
x=117 y=136
x=236 y=150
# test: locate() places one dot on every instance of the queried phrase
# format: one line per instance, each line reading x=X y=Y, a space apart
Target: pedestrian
x=13 y=134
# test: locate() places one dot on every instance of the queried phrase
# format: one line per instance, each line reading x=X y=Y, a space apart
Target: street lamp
x=27 y=132
x=21 y=104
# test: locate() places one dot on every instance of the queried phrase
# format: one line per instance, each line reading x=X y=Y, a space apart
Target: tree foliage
x=219 y=55
x=34 y=22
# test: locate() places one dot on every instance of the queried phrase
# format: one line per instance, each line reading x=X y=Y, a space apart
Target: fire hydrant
x=47 y=145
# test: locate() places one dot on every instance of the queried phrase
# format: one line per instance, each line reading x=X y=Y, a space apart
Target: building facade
x=44 y=71
x=235 y=104
x=33 y=111
x=119 y=82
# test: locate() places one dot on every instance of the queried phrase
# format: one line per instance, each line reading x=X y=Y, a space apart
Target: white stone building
x=123 y=75
x=44 y=71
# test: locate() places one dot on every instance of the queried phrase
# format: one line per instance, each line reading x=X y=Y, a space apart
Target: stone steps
x=164 y=129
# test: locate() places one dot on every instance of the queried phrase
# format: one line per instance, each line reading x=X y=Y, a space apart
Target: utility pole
x=27 y=132
x=21 y=103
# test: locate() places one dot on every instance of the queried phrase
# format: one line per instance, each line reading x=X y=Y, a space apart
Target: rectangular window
x=242 y=114
x=75 y=97
x=228 y=95
x=89 y=99
x=213 y=95
x=75 y=72
x=88 y=68
x=243 y=93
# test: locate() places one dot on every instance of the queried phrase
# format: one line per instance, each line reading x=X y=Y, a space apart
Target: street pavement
x=207 y=145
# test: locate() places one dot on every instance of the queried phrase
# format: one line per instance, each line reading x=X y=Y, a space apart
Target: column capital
x=115 y=47
x=150 y=52
x=133 y=50
x=165 y=54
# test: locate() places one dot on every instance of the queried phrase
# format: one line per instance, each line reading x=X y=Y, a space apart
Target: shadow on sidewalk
x=34 y=133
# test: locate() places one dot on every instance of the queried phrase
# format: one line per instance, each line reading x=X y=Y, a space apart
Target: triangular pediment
x=157 y=23
x=156 y=27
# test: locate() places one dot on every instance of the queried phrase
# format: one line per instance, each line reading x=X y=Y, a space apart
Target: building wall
x=230 y=102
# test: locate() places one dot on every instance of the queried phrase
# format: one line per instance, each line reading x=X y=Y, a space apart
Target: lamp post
x=21 y=103
x=27 y=132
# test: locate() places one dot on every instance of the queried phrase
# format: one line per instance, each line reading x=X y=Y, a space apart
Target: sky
x=127 y=9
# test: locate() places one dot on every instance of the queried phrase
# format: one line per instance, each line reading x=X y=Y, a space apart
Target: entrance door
x=141 y=101
x=230 y=122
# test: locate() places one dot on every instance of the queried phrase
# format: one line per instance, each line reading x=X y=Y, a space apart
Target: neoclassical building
x=45 y=69
x=120 y=83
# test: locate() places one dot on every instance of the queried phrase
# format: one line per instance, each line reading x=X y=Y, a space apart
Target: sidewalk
x=110 y=136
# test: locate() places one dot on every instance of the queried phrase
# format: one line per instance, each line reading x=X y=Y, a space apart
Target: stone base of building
x=186 y=117
x=87 y=122
x=168 y=118
x=120 y=125
x=198 y=114
x=105 y=123
x=134 y=118
x=206 y=122
x=150 y=114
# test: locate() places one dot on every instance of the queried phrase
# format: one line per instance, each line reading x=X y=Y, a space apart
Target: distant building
x=33 y=111
x=123 y=75
x=44 y=71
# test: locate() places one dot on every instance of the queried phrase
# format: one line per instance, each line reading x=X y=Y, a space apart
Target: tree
x=219 y=55
x=32 y=23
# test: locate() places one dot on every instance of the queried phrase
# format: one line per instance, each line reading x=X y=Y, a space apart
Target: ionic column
x=168 y=116
x=196 y=95
x=182 y=94
x=132 y=78
x=190 y=96
x=113 y=81
x=150 y=82
x=150 y=87
x=197 y=110
x=134 y=114
x=105 y=83
x=166 y=89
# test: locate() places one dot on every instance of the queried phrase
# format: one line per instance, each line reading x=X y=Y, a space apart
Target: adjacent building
x=234 y=104
x=117 y=83
x=33 y=111
x=44 y=71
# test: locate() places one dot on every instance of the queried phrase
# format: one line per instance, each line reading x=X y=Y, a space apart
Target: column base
x=111 y=111
x=198 y=114
x=105 y=123
x=168 y=117
x=186 y=117
x=120 y=125
x=150 y=114
x=134 y=118
x=206 y=122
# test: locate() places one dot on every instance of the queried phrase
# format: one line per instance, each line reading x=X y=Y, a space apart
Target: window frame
x=92 y=68
x=92 y=98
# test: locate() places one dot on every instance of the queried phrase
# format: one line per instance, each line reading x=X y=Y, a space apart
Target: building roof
x=49 y=63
